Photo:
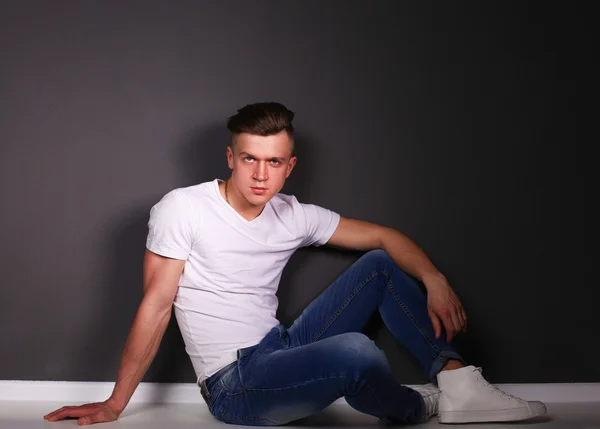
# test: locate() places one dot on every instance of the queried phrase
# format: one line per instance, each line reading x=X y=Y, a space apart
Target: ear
x=290 y=166
x=230 y=157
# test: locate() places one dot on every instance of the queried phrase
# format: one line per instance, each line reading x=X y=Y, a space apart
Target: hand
x=87 y=414
x=444 y=305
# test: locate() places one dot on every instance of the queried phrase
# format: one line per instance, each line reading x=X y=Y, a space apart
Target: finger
x=464 y=318
x=460 y=317
x=54 y=412
x=69 y=412
x=437 y=328
x=458 y=325
x=450 y=329
x=55 y=415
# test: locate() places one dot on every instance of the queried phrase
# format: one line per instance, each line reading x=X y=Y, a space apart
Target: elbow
x=156 y=305
x=385 y=234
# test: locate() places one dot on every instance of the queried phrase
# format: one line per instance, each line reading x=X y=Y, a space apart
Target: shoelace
x=491 y=386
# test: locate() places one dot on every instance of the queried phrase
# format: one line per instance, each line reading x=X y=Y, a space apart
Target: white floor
x=29 y=415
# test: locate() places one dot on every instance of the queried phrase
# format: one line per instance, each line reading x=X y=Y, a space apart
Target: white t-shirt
x=226 y=297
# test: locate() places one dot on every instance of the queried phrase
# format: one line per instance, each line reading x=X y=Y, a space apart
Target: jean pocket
x=230 y=379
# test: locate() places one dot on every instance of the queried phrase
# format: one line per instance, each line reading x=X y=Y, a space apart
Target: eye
x=275 y=161
x=248 y=158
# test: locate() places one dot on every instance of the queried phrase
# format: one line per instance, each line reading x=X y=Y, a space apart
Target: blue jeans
x=298 y=371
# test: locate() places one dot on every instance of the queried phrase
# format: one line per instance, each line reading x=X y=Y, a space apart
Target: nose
x=260 y=172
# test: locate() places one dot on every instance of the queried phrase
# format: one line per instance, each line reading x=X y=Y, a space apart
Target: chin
x=258 y=200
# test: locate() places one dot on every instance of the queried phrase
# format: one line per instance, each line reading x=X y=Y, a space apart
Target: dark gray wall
x=452 y=123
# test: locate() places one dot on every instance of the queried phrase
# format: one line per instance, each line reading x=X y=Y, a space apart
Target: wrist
x=433 y=278
x=115 y=405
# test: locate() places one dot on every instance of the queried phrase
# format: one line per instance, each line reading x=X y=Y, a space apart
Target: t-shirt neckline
x=240 y=217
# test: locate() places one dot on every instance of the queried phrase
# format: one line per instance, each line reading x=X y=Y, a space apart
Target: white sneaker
x=431 y=397
x=467 y=397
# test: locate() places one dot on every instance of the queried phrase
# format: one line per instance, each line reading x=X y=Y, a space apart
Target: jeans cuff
x=440 y=361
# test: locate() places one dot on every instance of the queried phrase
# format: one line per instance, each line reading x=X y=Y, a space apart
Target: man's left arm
x=443 y=304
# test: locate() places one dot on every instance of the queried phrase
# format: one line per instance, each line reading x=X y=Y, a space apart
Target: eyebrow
x=276 y=158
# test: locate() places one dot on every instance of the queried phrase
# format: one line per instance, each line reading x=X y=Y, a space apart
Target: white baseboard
x=80 y=392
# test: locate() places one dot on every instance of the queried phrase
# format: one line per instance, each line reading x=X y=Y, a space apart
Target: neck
x=239 y=203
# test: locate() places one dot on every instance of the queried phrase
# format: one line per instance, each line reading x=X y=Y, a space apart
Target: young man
x=216 y=251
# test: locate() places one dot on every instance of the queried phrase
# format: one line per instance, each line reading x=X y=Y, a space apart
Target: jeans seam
x=347 y=301
x=368 y=386
x=232 y=394
x=410 y=316
x=276 y=389
x=254 y=419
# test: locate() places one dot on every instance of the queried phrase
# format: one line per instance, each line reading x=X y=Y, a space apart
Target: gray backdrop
x=454 y=123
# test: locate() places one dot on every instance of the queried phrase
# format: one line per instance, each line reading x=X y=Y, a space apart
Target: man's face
x=260 y=165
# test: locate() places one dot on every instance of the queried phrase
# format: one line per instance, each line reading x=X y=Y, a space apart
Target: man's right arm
x=161 y=279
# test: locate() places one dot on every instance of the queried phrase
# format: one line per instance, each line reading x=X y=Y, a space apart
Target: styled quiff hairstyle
x=262 y=119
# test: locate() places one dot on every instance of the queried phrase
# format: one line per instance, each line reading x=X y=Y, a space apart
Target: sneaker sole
x=481 y=416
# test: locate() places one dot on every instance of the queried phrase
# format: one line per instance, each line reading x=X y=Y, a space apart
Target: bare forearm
x=408 y=255
x=140 y=348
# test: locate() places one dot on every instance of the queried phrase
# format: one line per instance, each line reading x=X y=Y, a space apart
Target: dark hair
x=262 y=119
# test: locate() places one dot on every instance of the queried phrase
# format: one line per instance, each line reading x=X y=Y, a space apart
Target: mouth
x=258 y=191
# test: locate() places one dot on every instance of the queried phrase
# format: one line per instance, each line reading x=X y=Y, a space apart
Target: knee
x=379 y=259
x=361 y=353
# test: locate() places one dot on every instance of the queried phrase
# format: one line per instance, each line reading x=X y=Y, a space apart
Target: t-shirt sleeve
x=320 y=224
x=170 y=228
